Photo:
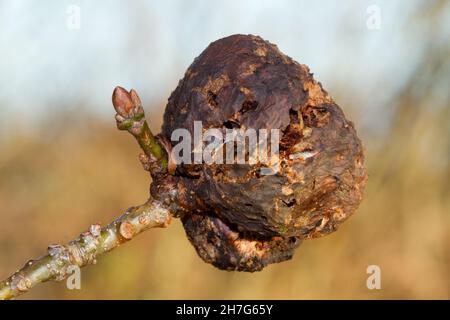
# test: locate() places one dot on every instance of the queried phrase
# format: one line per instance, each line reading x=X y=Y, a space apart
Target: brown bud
x=135 y=98
x=122 y=101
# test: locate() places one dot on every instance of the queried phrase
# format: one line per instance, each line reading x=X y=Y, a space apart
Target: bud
x=123 y=101
x=135 y=98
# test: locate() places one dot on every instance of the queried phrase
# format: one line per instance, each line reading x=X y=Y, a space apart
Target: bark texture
x=85 y=250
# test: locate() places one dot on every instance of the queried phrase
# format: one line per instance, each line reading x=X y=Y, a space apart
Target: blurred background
x=64 y=166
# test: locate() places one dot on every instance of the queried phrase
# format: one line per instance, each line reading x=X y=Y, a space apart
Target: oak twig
x=130 y=116
x=90 y=244
x=236 y=217
x=85 y=249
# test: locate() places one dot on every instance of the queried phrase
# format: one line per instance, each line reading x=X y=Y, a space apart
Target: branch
x=85 y=249
x=90 y=244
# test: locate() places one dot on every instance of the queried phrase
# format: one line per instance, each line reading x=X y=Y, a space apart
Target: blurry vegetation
x=72 y=172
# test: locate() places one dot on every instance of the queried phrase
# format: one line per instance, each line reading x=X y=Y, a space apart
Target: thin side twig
x=131 y=117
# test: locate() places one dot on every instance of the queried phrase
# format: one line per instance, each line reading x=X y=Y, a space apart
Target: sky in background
x=47 y=66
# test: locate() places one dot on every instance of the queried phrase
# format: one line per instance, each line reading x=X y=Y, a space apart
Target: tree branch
x=85 y=249
x=90 y=244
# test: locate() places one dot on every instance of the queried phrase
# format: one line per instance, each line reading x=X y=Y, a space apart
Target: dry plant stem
x=84 y=250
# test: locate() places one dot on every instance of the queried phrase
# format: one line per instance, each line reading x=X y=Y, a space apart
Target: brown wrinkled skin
x=248 y=220
x=226 y=249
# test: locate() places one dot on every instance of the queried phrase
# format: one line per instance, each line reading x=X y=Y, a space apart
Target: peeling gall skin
x=226 y=249
x=236 y=218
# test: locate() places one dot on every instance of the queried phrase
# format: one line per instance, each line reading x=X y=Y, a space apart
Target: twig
x=130 y=116
x=90 y=244
x=85 y=249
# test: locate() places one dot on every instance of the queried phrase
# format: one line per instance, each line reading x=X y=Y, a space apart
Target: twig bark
x=85 y=249
x=97 y=240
